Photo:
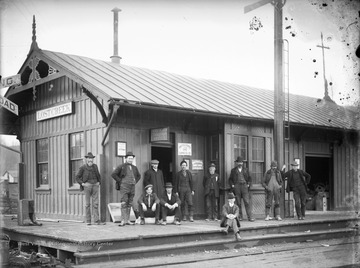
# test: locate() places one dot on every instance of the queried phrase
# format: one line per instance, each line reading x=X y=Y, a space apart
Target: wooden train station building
x=70 y=105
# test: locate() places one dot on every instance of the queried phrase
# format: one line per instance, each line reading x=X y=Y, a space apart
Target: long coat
x=120 y=172
x=234 y=175
x=304 y=176
x=156 y=178
x=208 y=178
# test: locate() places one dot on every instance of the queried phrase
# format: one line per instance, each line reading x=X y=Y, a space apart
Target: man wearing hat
x=272 y=182
x=149 y=205
x=170 y=204
x=155 y=177
x=211 y=183
x=184 y=188
x=297 y=182
x=240 y=183
x=230 y=217
x=126 y=175
x=89 y=179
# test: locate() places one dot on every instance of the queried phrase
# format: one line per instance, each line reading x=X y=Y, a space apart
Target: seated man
x=149 y=205
x=230 y=213
x=170 y=204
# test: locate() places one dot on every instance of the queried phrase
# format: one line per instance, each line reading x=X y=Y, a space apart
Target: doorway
x=165 y=157
x=320 y=169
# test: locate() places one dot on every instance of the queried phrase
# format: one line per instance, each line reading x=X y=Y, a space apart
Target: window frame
x=42 y=162
x=77 y=159
x=257 y=176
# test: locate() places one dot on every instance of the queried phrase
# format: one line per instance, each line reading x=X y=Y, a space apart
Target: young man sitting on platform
x=170 y=204
x=230 y=213
x=149 y=205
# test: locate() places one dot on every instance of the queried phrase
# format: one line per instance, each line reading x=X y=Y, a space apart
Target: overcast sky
x=208 y=39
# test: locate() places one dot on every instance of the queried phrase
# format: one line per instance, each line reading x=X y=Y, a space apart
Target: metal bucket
x=4 y=250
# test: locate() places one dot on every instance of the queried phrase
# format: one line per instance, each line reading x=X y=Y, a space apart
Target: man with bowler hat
x=170 y=204
x=240 y=183
x=211 y=183
x=230 y=217
x=89 y=179
x=297 y=182
x=127 y=175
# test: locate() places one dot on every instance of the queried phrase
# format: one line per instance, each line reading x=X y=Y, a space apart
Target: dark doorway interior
x=321 y=178
x=319 y=169
x=165 y=157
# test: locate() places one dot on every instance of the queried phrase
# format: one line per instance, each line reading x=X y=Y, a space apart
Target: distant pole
x=326 y=96
x=116 y=58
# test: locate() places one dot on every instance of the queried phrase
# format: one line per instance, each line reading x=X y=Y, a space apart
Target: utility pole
x=326 y=96
x=278 y=83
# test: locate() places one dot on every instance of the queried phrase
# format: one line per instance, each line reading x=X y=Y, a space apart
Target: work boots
x=123 y=216
x=127 y=219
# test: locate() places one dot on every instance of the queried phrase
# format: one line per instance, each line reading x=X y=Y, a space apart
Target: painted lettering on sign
x=159 y=134
x=56 y=111
x=8 y=104
x=11 y=80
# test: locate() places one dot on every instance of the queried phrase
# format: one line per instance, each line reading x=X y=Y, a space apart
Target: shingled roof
x=141 y=86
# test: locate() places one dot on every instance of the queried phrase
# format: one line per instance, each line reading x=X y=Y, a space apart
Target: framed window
x=240 y=146
x=77 y=152
x=42 y=159
x=257 y=159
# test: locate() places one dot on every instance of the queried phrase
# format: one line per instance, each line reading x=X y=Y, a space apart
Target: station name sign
x=56 y=111
x=159 y=134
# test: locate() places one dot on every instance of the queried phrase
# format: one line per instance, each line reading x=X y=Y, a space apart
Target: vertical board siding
x=58 y=201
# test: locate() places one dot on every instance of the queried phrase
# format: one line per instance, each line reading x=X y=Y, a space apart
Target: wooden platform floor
x=80 y=233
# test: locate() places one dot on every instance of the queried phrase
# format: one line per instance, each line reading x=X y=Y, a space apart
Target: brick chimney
x=116 y=58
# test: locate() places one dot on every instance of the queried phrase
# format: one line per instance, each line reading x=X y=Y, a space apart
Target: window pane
x=43 y=174
x=257 y=171
x=240 y=146
x=258 y=158
x=76 y=145
x=42 y=150
x=77 y=152
x=42 y=159
x=74 y=167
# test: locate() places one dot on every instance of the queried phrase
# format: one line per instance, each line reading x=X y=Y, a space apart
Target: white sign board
x=8 y=104
x=59 y=110
x=11 y=80
x=184 y=148
x=115 y=212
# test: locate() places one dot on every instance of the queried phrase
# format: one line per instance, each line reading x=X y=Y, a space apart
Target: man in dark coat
x=240 y=183
x=211 y=183
x=127 y=175
x=89 y=179
x=297 y=182
x=149 y=205
x=230 y=217
x=155 y=177
x=184 y=188
x=170 y=204
x=272 y=182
